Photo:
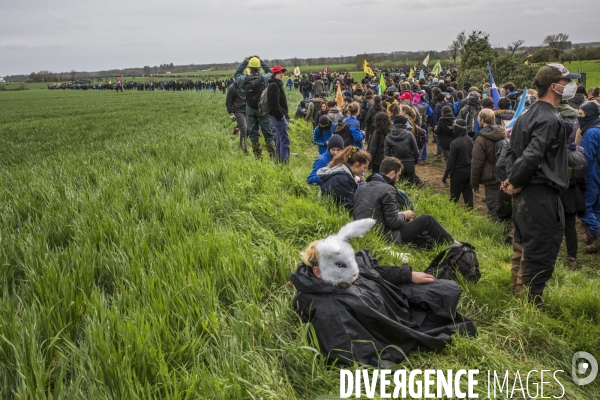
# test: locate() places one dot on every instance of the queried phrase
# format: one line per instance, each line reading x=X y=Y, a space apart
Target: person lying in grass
x=371 y=314
x=341 y=175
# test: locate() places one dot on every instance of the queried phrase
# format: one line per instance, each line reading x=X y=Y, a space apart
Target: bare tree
x=461 y=39
x=557 y=43
x=454 y=49
x=514 y=46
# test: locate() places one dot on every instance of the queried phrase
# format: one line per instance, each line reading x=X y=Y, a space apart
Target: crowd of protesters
x=220 y=85
x=533 y=156
x=528 y=169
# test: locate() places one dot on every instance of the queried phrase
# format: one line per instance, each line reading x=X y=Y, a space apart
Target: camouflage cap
x=552 y=73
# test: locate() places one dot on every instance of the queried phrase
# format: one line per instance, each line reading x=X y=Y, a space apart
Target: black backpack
x=498 y=149
x=254 y=86
x=306 y=85
x=458 y=258
x=343 y=129
x=577 y=166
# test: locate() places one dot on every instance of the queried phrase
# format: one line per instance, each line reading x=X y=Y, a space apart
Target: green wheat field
x=144 y=257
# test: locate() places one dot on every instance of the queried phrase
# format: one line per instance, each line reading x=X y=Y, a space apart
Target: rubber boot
x=271 y=149
x=517 y=285
x=244 y=144
x=257 y=150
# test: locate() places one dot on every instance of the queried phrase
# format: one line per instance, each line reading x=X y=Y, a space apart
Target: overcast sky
x=62 y=35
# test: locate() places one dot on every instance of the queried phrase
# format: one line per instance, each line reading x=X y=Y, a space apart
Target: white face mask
x=568 y=91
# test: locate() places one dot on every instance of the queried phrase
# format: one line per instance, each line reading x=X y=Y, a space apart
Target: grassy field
x=143 y=256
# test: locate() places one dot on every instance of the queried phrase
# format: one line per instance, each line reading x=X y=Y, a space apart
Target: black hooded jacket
x=235 y=102
x=460 y=155
x=400 y=143
x=382 y=308
x=276 y=98
x=445 y=131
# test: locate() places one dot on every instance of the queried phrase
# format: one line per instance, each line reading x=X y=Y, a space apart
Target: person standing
x=589 y=122
x=458 y=166
x=401 y=143
x=236 y=107
x=252 y=86
x=537 y=171
x=484 y=160
x=278 y=114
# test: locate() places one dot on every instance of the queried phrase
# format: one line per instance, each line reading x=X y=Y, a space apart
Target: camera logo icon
x=580 y=367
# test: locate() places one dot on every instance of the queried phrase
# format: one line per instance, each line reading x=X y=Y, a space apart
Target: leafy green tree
x=477 y=51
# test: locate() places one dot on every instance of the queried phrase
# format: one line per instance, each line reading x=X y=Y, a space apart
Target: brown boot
x=271 y=149
x=516 y=266
x=571 y=262
x=593 y=245
x=257 y=150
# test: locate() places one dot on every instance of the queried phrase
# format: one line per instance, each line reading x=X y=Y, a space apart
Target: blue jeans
x=591 y=217
x=424 y=152
x=253 y=121
x=282 y=140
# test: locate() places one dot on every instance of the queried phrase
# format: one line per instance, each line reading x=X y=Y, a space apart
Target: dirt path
x=433 y=171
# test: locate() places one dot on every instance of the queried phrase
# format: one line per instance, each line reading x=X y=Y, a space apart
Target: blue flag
x=422 y=74
x=494 y=92
x=518 y=112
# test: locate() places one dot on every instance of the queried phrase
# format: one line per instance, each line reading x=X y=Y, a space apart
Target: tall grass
x=143 y=256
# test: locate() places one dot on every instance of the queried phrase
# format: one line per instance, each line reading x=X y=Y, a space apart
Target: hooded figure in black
x=366 y=313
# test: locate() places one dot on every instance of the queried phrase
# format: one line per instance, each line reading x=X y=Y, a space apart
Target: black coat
x=376 y=148
x=276 y=98
x=377 y=199
x=402 y=145
x=461 y=150
x=541 y=132
x=445 y=131
x=381 y=309
x=235 y=100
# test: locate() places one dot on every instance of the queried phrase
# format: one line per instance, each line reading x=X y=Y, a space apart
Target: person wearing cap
x=389 y=100
x=589 y=123
x=253 y=119
x=537 y=172
x=278 y=114
x=322 y=133
x=335 y=145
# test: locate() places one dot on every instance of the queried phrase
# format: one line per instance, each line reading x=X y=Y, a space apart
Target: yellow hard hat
x=254 y=63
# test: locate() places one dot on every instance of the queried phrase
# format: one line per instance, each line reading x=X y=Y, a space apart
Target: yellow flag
x=367 y=69
x=526 y=62
x=412 y=73
x=339 y=98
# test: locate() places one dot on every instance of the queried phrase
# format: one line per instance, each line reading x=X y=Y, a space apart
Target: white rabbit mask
x=336 y=257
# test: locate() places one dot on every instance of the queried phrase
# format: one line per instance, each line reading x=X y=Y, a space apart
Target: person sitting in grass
x=371 y=314
x=335 y=145
x=341 y=175
x=322 y=133
x=378 y=199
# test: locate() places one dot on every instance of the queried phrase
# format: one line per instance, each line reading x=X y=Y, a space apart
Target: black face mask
x=592 y=117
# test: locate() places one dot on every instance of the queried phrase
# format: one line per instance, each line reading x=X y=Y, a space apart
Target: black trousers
x=571 y=235
x=460 y=183
x=408 y=172
x=539 y=227
x=428 y=223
